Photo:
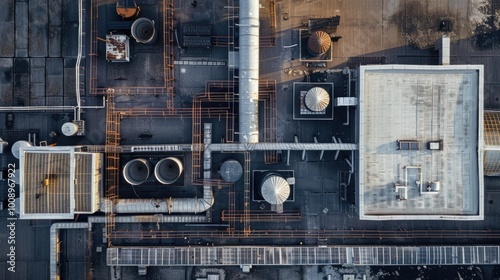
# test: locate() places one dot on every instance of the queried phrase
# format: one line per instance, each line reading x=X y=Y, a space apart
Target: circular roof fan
x=275 y=189
x=317 y=99
x=137 y=171
x=168 y=170
x=143 y=31
x=319 y=42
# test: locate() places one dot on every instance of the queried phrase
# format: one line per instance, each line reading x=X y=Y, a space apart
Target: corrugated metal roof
x=46 y=183
x=83 y=182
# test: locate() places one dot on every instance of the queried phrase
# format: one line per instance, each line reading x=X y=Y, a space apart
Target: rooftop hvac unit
x=168 y=170
x=137 y=171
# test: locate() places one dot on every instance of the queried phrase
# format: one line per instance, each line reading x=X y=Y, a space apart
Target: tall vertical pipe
x=249 y=71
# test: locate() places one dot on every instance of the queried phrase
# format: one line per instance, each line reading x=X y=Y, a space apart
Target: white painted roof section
x=423 y=103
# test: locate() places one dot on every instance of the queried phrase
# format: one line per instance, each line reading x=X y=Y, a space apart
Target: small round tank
x=274 y=189
x=16 y=148
x=69 y=129
x=168 y=170
x=137 y=171
x=143 y=30
x=231 y=170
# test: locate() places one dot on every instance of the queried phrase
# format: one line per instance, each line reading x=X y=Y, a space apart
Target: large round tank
x=137 y=171
x=168 y=170
x=69 y=129
x=317 y=99
x=231 y=170
x=16 y=148
x=274 y=189
x=143 y=30
x=319 y=42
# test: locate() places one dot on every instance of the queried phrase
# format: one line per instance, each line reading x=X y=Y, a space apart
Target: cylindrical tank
x=143 y=30
x=317 y=99
x=127 y=9
x=274 y=188
x=231 y=171
x=319 y=42
x=16 y=148
x=137 y=171
x=168 y=170
x=69 y=129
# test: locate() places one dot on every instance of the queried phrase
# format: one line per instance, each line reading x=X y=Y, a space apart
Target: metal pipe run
x=249 y=71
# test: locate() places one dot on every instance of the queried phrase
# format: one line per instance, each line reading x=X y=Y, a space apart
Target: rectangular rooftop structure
x=58 y=182
x=403 y=111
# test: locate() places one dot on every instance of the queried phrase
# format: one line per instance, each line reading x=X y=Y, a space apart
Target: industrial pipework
x=249 y=71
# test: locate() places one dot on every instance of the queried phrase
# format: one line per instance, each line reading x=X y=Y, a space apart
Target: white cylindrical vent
x=168 y=170
x=69 y=129
x=137 y=171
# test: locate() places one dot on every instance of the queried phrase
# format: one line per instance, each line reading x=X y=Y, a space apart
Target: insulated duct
x=249 y=71
x=168 y=205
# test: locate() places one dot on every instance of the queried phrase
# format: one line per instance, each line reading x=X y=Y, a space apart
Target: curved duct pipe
x=249 y=71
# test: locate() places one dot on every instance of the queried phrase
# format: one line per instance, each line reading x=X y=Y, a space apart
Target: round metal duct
x=319 y=42
x=137 y=171
x=274 y=189
x=168 y=170
x=317 y=99
x=231 y=170
x=143 y=30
